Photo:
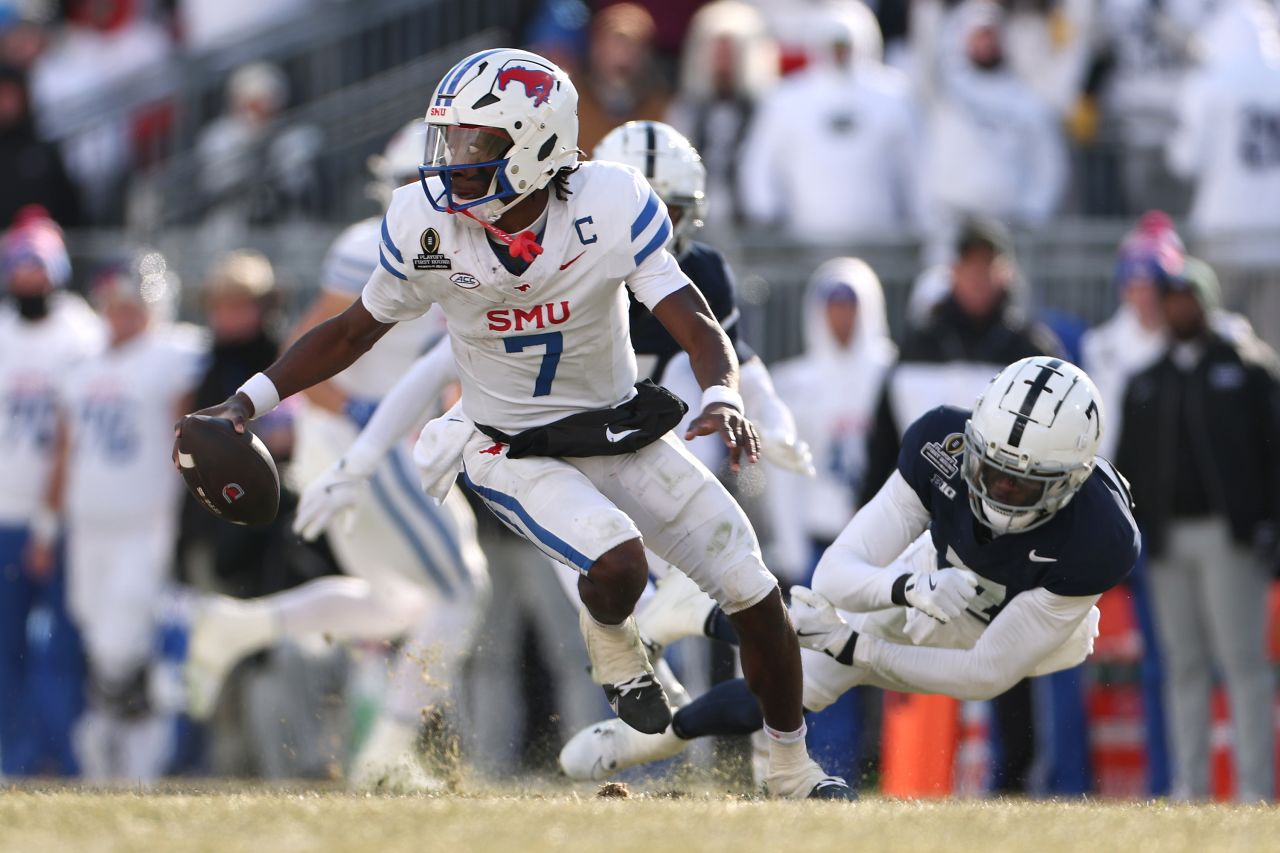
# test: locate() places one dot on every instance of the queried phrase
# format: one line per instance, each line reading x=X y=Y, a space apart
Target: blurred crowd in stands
x=830 y=125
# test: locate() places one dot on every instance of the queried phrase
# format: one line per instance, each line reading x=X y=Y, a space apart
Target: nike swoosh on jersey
x=932 y=585
x=1035 y=558
x=565 y=266
x=618 y=436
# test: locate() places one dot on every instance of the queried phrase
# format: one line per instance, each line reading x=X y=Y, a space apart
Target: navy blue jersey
x=710 y=273
x=1088 y=547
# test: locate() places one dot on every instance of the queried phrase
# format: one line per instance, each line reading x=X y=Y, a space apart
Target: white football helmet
x=501 y=124
x=1031 y=443
x=670 y=162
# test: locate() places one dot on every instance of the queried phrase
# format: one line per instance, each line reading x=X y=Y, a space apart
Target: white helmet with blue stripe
x=669 y=161
x=1031 y=443
x=501 y=124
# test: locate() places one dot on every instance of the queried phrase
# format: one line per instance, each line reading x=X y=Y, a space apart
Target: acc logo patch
x=232 y=492
x=431 y=258
x=465 y=280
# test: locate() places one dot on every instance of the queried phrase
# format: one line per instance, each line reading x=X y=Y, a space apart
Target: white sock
x=787 y=750
x=616 y=651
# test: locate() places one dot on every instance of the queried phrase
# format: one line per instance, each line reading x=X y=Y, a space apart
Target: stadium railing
x=1068 y=267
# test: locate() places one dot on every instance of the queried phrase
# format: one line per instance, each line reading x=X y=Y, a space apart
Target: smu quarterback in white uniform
x=538 y=324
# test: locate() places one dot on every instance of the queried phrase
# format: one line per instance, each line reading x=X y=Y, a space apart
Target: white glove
x=1076 y=649
x=819 y=626
x=943 y=594
x=787 y=451
x=330 y=495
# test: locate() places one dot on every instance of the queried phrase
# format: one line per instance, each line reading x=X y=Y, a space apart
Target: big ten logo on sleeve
x=431 y=257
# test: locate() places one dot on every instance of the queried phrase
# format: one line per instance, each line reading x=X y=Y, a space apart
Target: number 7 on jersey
x=554 y=342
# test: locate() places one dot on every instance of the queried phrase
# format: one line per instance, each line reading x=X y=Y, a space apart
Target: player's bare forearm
x=686 y=316
x=328 y=304
x=326 y=350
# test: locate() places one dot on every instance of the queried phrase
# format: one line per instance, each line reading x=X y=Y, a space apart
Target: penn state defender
x=1021 y=528
x=538 y=329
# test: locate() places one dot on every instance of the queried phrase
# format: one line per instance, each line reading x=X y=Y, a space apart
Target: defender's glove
x=329 y=496
x=819 y=626
x=1075 y=650
x=943 y=594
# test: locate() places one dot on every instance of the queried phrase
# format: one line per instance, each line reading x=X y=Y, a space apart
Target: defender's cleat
x=678 y=609
x=641 y=703
x=598 y=752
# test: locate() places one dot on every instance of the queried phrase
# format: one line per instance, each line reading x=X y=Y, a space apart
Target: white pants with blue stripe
x=576 y=509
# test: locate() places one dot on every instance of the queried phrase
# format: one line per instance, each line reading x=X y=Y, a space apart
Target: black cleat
x=832 y=788
x=641 y=703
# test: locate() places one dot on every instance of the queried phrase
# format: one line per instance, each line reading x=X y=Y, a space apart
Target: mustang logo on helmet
x=537 y=83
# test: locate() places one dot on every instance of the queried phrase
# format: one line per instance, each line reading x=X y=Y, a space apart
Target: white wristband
x=722 y=394
x=262 y=392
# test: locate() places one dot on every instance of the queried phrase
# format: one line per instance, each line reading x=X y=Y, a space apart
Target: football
x=231 y=474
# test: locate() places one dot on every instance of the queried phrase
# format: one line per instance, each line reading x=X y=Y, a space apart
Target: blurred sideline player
x=44 y=331
x=115 y=488
x=675 y=172
x=557 y=438
x=413 y=568
x=977 y=564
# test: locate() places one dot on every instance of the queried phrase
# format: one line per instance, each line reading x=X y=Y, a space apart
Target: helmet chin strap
x=524 y=245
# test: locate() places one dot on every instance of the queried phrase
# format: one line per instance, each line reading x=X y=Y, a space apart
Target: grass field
x=263 y=821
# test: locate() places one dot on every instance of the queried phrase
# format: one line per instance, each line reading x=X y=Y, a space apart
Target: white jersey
x=535 y=347
x=120 y=410
x=1228 y=141
x=346 y=269
x=33 y=357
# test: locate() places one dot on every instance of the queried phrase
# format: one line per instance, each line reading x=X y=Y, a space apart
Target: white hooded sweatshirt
x=831 y=156
x=1228 y=137
x=832 y=391
x=994 y=145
